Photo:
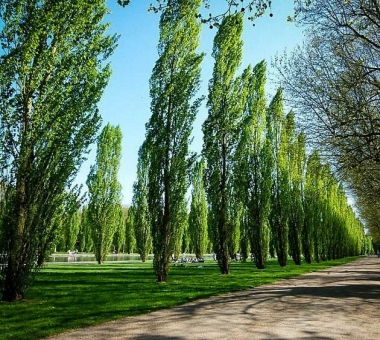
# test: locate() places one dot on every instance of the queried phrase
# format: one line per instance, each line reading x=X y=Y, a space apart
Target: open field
x=69 y=296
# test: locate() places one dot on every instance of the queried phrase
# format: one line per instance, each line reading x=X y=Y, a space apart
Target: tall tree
x=130 y=238
x=297 y=167
x=255 y=167
x=220 y=134
x=52 y=74
x=312 y=188
x=173 y=84
x=104 y=191
x=279 y=217
x=198 y=211
x=139 y=211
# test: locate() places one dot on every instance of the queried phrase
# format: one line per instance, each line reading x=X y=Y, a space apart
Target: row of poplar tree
x=263 y=193
x=255 y=190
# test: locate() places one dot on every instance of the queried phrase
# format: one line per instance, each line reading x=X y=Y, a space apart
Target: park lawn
x=69 y=296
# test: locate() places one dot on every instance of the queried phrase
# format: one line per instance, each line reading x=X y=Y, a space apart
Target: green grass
x=68 y=296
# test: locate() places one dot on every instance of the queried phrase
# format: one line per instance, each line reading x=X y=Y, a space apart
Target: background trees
x=198 y=211
x=85 y=240
x=140 y=213
x=173 y=84
x=69 y=230
x=119 y=236
x=104 y=206
x=130 y=236
x=333 y=82
x=52 y=74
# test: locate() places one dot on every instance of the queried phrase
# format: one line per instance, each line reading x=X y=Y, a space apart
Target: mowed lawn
x=68 y=296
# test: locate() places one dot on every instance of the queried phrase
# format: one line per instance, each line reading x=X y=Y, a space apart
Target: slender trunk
x=162 y=255
x=14 y=282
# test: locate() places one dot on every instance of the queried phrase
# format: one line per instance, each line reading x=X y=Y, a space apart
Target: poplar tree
x=280 y=188
x=52 y=74
x=220 y=131
x=104 y=191
x=331 y=227
x=255 y=166
x=313 y=203
x=296 y=166
x=139 y=212
x=198 y=211
x=130 y=238
x=173 y=85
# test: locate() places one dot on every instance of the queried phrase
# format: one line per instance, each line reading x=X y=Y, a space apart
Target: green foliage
x=332 y=80
x=297 y=168
x=140 y=215
x=52 y=74
x=86 y=243
x=119 y=237
x=225 y=104
x=312 y=204
x=130 y=238
x=255 y=168
x=198 y=211
x=104 y=207
x=180 y=231
x=279 y=139
x=173 y=84
x=331 y=229
x=70 y=227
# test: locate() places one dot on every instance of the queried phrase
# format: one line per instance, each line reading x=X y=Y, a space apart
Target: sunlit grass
x=67 y=296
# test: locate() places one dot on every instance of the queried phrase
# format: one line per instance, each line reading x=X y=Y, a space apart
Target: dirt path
x=337 y=303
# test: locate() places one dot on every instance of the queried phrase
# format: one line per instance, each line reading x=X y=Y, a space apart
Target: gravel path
x=337 y=303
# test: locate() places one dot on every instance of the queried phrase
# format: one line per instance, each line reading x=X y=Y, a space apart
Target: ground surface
x=337 y=303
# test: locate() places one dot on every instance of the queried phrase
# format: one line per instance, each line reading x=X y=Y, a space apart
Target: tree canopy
x=173 y=85
x=52 y=74
x=104 y=208
x=333 y=83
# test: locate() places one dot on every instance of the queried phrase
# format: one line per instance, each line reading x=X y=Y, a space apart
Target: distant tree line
x=76 y=233
x=332 y=82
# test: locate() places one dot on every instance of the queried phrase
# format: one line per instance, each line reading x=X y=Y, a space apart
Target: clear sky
x=126 y=100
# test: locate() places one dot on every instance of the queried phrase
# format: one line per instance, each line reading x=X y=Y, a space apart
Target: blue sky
x=126 y=100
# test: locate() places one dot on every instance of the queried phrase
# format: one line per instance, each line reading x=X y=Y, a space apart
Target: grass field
x=67 y=296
